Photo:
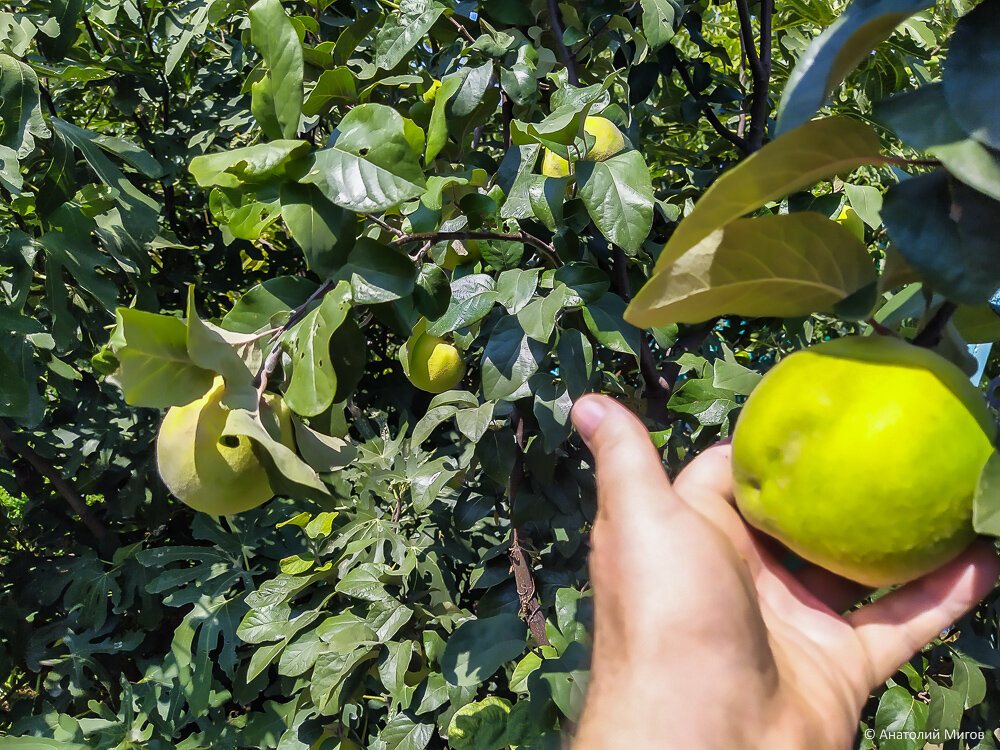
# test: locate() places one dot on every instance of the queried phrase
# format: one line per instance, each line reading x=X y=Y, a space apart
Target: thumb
x=631 y=481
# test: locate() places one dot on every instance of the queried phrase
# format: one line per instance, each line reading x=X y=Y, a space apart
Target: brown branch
x=899 y=161
x=519 y=563
x=62 y=486
x=386 y=226
x=461 y=29
x=760 y=68
x=564 y=53
x=931 y=333
x=270 y=363
x=706 y=108
x=547 y=250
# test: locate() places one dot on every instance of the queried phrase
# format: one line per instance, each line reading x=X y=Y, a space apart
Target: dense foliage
x=280 y=192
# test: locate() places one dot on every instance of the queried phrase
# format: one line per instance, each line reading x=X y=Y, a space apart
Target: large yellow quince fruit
x=435 y=365
x=849 y=218
x=862 y=455
x=209 y=471
x=608 y=142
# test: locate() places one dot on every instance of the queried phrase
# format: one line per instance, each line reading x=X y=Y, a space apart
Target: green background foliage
x=277 y=192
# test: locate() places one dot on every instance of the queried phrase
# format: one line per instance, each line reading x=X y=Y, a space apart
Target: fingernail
x=587 y=415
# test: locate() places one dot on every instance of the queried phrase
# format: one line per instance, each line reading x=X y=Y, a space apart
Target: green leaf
x=67 y=14
x=551 y=408
x=377 y=272
x=402 y=733
x=902 y=718
x=515 y=288
x=268 y=304
x=967 y=680
x=977 y=324
x=478 y=648
x=538 y=318
x=986 y=501
x=972 y=163
x=437 y=130
x=576 y=361
x=605 y=319
x=20 y=107
x=403 y=30
x=703 y=400
x=660 y=19
x=732 y=376
x=817 y=150
x=972 y=73
x=921 y=117
x=510 y=357
x=155 y=369
x=472 y=297
x=332 y=87
x=257 y=163
x=618 y=194
x=946 y=232
x=324 y=453
x=945 y=710
x=836 y=52
x=210 y=347
x=313 y=383
x=432 y=293
x=325 y=232
x=370 y=165
x=275 y=38
x=782 y=266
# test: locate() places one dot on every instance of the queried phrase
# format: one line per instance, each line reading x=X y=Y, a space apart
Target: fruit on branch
x=862 y=455
x=432 y=364
x=209 y=471
x=609 y=141
x=849 y=218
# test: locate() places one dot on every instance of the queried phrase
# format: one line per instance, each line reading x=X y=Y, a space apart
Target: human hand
x=703 y=640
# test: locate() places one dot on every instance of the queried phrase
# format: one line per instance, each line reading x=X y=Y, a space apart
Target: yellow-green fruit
x=207 y=470
x=435 y=365
x=608 y=142
x=849 y=218
x=452 y=258
x=862 y=455
x=431 y=94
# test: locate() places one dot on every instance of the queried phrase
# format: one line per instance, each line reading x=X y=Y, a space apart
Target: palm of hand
x=731 y=649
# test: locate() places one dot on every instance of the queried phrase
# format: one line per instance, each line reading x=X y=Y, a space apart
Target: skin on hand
x=702 y=639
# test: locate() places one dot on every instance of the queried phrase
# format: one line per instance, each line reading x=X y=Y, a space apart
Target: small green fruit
x=211 y=472
x=862 y=455
x=435 y=365
x=849 y=218
x=608 y=142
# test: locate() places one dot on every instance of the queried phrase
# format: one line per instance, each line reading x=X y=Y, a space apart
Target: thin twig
x=547 y=250
x=564 y=53
x=899 y=161
x=387 y=227
x=461 y=29
x=63 y=487
x=706 y=108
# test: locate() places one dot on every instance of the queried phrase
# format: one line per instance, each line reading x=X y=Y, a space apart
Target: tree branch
x=61 y=485
x=760 y=68
x=706 y=108
x=519 y=563
x=461 y=29
x=564 y=53
x=544 y=248
x=385 y=226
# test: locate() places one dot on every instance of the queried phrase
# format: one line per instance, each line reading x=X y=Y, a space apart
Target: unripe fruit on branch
x=608 y=142
x=862 y=455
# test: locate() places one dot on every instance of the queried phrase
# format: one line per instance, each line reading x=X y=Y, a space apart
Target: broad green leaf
x=945 y=709
x=576 y=361
x=551 y=408
x=921 y=117
x=257 y=163
x=978 y=324
x=967 y=679
x=370 y=165
x=402 y=733
x=732 y=376
x=437 y=130
x=618 y=194
x=155 y=369
x=900 y=718
x=212 y=348
x=972 y=73
x=510 y=357
x=605 y=319
x=660 y=19
x=313 y=381
x=332 y=86
x=325 y=232
x=275 y=38
x=20 y=107
x=432 y=293
x=986 y=502
x=947 y=233
x=268 y=304
x=783 y=266
x=538 y=318
x=324 y=453
x=377 y=272
x=67 y=15
x=703 y=400
x=972 y=163
x=515 y=288
x=403 y=30
x=478 y=648
x=862 y=26
x=815 y=151
x=472 y=297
